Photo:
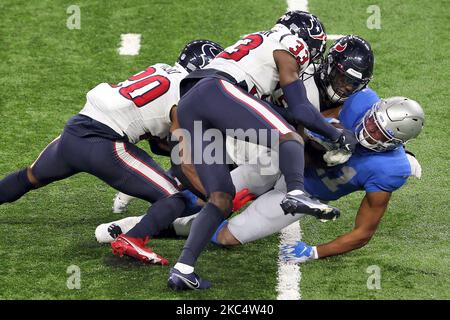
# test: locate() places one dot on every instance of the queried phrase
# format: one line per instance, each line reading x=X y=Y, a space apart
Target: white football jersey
x=251 y=60
x=139 y=105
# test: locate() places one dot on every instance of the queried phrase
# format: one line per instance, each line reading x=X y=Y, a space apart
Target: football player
x=379 y=166
x=101 y=139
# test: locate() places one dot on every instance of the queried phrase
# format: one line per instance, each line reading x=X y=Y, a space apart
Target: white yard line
x=289 y=275
x=334 y=36
x=301 y=5
x=130 y=44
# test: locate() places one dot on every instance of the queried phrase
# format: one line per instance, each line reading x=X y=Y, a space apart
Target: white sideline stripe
x=258 y=107
x=130 y=44
x=144 y=169
x=289 y=274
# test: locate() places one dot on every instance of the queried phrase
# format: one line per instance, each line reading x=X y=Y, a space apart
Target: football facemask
x=373 y=135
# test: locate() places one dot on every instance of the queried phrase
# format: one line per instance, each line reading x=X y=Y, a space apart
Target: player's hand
x=347 y=141
x=336 y=157
x=241 y=198
x=297 y=252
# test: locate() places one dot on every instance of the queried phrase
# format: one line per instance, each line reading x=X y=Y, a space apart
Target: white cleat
x=121 y=202
x=107 y=232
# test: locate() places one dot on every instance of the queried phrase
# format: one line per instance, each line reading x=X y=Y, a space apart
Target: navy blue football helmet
x=347 y=68
x=309 y=28
x=197 y=54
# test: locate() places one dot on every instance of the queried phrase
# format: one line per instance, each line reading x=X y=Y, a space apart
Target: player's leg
x=129 y=169
x=121 y=202
x=261 y=219
x=107 y=232
x=50 y=166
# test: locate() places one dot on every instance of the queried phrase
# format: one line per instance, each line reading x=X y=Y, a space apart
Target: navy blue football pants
x=122 y=165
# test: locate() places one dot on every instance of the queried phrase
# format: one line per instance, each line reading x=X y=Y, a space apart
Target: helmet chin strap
x=334 y=97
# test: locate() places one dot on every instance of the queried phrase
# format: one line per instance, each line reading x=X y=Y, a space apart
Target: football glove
x=416 y=168
x=297 y=252
x=347 y=141
x=336 y=157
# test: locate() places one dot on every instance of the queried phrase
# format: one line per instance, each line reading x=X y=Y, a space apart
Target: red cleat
x=136 y=248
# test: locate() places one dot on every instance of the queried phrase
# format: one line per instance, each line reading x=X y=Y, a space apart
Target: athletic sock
x=292 y=163
x=183 y=268
x=159 y=217
x=203 y=228
x=14 y=186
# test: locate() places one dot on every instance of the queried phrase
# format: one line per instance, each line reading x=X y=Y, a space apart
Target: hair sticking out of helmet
x=197 y=54
x=307 y=27
x=347 y=68
x=390 y=123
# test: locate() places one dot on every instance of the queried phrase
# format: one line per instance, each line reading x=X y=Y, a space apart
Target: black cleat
x=302 y=204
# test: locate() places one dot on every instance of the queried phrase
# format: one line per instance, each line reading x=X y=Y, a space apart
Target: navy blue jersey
x=366 y=169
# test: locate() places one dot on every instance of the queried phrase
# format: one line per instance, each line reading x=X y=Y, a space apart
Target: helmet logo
x=316 y=32
x=340 y=47
x=208 y=52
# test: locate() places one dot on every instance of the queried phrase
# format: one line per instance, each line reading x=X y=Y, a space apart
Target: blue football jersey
x=366 y=169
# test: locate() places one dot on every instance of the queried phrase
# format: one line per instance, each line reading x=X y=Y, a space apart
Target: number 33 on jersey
x=251 y=61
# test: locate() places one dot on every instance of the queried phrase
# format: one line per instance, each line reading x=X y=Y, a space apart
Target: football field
x=47 y=69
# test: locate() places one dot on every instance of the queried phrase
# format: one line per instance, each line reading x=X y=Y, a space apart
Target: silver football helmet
x=390 y=123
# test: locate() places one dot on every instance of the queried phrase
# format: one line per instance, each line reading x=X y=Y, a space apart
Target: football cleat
x=136 y=248
x=296 y=202
x=180 y=281
x=107 y=232
x=121 y=202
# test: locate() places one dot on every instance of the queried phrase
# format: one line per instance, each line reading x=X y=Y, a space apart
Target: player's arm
x=187 y=167
x=369 y=215
x=371 y=210
x=294 y=91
